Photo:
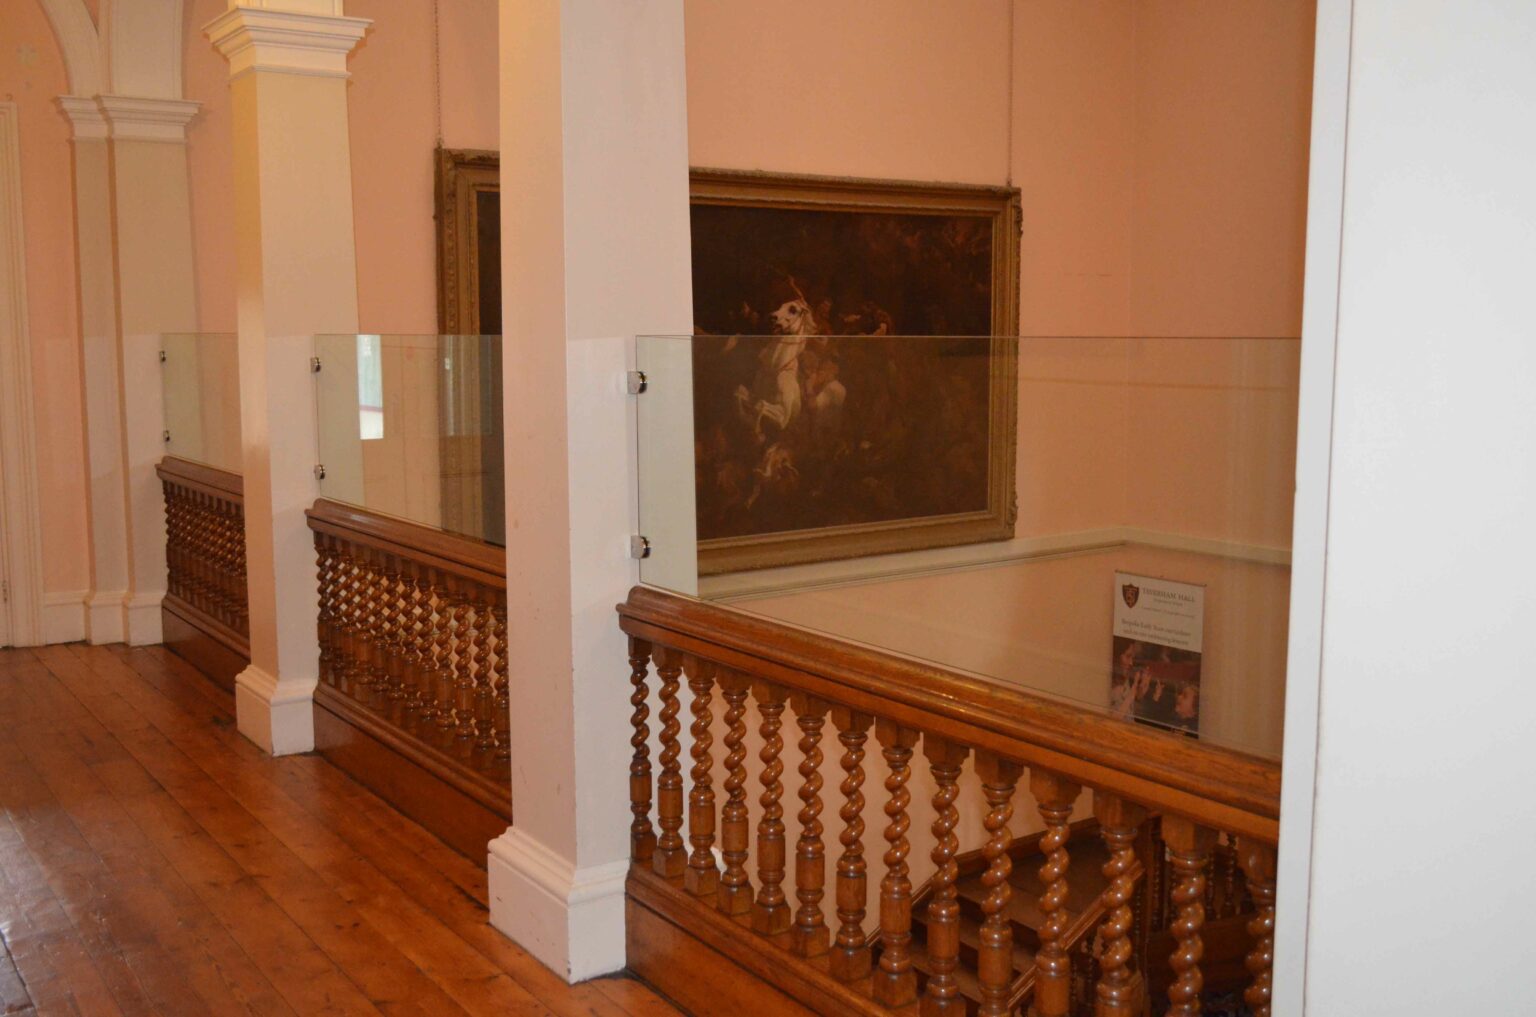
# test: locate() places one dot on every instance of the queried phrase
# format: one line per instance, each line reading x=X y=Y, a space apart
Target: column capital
x=86 y=120
x=259 y=38
x=136 y=119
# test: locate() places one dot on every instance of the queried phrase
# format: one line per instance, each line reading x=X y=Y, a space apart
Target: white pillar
x=297 y=277
x=95 y=258
x=595 y=209
x=133 y=223
x=156 y=293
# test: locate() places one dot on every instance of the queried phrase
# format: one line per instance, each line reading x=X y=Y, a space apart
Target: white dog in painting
x=793 y=323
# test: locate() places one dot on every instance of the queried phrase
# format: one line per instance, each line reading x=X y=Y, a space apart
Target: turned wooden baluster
x=895 y=982
x=850 y=958
x=1258 y=862
x=994 y=954
x=1189 y=850
x=1054 y=798
x=466 y=672
x=457 y=609
x=485 y=683
x=1119 y=989
x=357 y=675
x=440 y=654
x=502 y=722
x=734 y=895
x=323 y=605
x=642 y=836
x=392 y=615
x=668 y=857
x=702 y=878
x=770 y=912
x=941 y=997
x=810 y=936
x=418 y=668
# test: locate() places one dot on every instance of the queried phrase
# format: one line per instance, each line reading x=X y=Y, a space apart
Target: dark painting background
x=884 y=430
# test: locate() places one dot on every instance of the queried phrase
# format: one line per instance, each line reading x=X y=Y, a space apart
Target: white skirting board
x=571 y=920
x=64 y=616
x=277 y=715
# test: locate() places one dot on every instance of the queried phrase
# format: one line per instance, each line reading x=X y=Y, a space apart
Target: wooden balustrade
x=413 y=693
x=203 y=614
x=1187 y=830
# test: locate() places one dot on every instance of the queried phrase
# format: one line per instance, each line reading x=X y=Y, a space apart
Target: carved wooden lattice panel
x=205 y=547
x=413 y=635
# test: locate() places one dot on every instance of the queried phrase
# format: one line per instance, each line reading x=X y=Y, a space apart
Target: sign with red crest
x=1158 y=637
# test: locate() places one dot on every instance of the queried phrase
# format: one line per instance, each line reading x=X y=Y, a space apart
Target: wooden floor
x=154 y=861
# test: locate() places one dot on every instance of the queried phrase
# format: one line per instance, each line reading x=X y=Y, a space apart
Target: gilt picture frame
x=858 y=261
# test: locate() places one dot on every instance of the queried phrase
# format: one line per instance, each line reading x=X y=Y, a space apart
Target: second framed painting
x=855 y=375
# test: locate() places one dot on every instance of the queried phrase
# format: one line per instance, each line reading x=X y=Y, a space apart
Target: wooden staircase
x=1085 y=883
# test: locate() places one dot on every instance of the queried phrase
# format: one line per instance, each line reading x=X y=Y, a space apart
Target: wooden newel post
x=810 y=935
x=941 y=996
x=669 y=858
x=1054 y=798
x=734 y=895
x=770 y=914
x=994 y=954
x=1189 y=851
x=642 y=837
x=1258 y=862
x=850 y=952
x=702 y=877
x=1120 y=991
x=895 y=983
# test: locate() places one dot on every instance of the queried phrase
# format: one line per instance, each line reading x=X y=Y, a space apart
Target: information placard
x=1158 y=636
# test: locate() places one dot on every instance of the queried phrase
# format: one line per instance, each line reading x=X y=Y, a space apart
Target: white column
x=1421 y=822
x=297 y=277
x=156 y=293
x=595 y=208
x=95 y=247
x=133 y=228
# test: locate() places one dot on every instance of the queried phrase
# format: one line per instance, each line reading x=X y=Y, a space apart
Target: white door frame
x=1309 y=540
x=21 y=511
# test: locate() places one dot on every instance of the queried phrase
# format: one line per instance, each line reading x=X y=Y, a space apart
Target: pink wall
x=210 y=157
x=32 y=75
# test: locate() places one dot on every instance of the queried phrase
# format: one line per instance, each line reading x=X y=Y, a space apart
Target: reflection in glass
x=410 y=426
x=1165 y=458
x=200 y=386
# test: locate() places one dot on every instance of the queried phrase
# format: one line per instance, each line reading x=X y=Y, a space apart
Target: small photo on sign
x=1157 y=641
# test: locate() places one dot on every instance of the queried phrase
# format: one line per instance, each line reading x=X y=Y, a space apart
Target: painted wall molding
x=139 y=119
x=80 y=43
x=286 y=42
x=85 y=117
x=21 y=510
x=738 y=586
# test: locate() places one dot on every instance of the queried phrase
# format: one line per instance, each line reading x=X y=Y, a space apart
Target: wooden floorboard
x=153 y=861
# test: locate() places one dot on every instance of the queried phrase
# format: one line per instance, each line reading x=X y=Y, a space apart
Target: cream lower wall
x=1045 y=626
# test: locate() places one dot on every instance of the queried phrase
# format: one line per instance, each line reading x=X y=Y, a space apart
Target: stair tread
x=1085 y=883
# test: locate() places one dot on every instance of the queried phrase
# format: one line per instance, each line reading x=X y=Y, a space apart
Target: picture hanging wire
x=437 y=76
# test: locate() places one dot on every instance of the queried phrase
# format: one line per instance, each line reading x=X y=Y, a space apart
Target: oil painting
x=851 y=394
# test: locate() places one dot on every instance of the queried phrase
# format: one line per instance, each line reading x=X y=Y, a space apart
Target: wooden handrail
x=1214 y=786
x=472 y=559
x=201 y=477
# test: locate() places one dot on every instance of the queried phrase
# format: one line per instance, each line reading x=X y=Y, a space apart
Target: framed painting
x=468 y=212
x=854 y=392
